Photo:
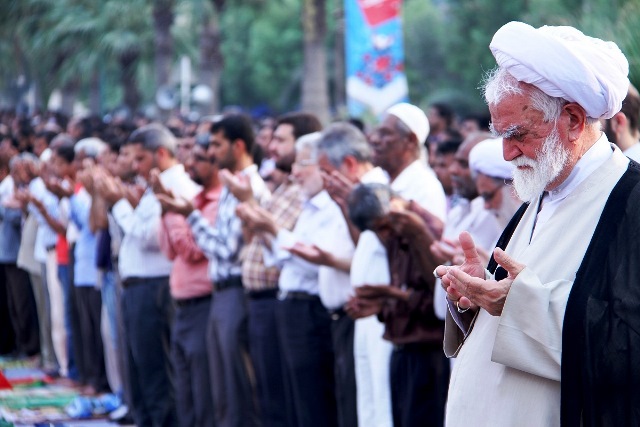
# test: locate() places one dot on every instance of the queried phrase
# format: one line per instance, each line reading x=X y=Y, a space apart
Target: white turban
x=486 y=158
x=564 y=63
x=413 y=117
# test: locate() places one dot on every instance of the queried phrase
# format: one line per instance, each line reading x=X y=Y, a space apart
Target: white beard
x=530 y=183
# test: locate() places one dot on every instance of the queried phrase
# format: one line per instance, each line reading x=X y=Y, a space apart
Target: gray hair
x=23 y=157
x=368 y=203
x=498 y=84
x=309 y=142
x=92 y=147
x=340 y=140
x=154 y=136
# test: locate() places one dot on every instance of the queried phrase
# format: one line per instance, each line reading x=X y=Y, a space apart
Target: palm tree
x=315 y=92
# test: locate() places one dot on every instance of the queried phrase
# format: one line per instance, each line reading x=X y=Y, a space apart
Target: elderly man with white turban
x=549 y=333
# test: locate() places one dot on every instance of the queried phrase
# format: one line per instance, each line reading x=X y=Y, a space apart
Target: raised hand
x=239 y=184
x=181 y=206
x=338 y=186
x=156 y=184
x=467 y=285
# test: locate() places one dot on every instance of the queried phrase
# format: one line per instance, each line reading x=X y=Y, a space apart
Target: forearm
x=98 y=214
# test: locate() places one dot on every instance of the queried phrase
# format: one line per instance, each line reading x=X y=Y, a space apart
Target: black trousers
x=304 y=327
x=89 y=303
x=22 y=309
x=147 y=313
x=267 y=361
x=342 y=330
x=419 y=384
x=7 y=332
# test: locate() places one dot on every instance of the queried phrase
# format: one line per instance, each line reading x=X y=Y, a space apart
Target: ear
x=618 y=122
x=577 y=120
x=240 y=147
x=350 y=163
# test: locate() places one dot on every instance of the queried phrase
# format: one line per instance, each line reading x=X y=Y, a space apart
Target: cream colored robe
x=507 y=372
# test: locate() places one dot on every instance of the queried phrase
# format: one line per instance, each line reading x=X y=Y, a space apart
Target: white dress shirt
x=633 y=152
x=419 y=183
x=140 y=254
x=320 y=222
x=46 y=238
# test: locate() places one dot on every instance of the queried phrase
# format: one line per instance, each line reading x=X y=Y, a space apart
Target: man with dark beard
x=550 y=336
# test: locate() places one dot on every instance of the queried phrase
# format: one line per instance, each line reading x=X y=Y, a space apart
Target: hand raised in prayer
x=54 y=185
x=181 y=206
x=311 y=253
x=238 y=183
x=467 y=285
x=156 y=184
x=256 y=218
x=133 y=193
x=338 y=186
x=445 y=251
x=357 y=308
x=109 y=188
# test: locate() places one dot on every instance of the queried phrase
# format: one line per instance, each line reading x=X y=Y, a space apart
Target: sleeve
x=529 y=334
x=141 y=224
x=274 y=255
x=163 y=240
x=177 y=235
x=79 y=212
x=219 y=241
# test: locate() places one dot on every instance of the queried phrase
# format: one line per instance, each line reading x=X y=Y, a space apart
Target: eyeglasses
x=488 y=196
x=304 y=163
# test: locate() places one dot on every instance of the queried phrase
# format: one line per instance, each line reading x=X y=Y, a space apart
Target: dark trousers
x=67 y=291
x=229 y=361
x=147 y=313
x=267 y=361
x=419 y=382
x=304 y=327
x=342 y=329
x=89 y=308
x=22 y=309
x=7 y=332
x=194 y=398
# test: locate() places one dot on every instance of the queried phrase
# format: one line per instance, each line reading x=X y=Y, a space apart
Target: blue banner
x=374 y=56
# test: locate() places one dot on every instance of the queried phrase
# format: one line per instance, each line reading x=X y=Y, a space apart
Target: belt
x=132 y=281
x=229 y=282
x=262 y=293
x=50 y=248
x=418 y=346
x=186 y=302
x=297 y=295
x=337 y=313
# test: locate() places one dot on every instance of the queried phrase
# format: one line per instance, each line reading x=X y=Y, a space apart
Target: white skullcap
x=486 y=158
x=564 y=63
x=413 y=117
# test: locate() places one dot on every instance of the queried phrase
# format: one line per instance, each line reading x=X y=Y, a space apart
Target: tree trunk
x=162 y=21
x=128 y=62
x=315 y=91
x=69 y=95
x=211 y=59
x=339 y=73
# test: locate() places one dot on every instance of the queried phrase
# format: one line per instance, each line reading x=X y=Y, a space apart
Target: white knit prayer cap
x=413 y=117
x=486 y=158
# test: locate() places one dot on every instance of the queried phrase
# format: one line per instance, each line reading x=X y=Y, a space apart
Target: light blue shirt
x=84 y=267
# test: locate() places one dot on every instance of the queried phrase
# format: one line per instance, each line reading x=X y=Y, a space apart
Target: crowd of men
x=237 y=274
